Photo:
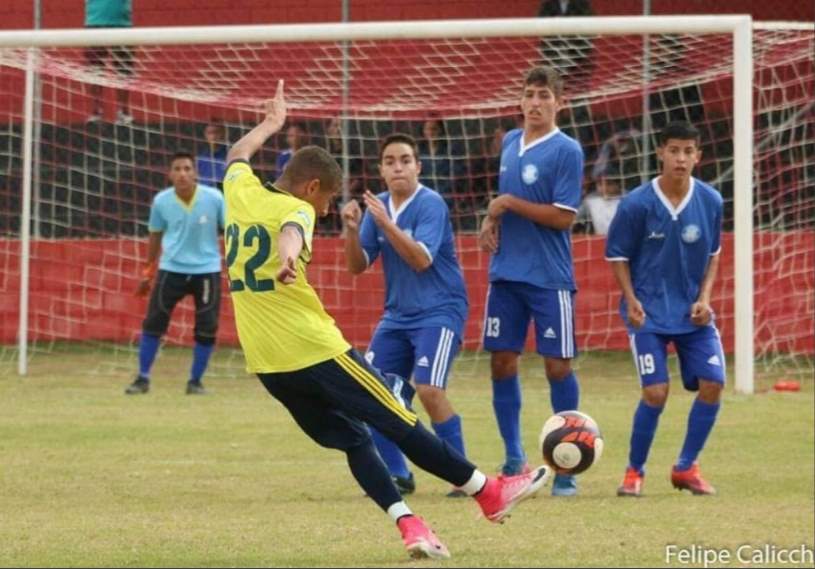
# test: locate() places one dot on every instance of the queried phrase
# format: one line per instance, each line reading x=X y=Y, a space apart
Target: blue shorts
x=510 y=305
x=700 y=352
x=424 y=353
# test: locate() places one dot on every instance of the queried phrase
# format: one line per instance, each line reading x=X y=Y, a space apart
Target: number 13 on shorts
x=493 y=328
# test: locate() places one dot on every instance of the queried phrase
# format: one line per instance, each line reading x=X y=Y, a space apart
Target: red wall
x=18 y=14
x=82 y=290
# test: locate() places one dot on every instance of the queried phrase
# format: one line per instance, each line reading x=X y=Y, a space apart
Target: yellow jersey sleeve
x=303 y=217
x=240 y=174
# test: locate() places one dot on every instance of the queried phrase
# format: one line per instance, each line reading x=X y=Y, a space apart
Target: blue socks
x=564 y=393
x=506 y=401
x=148 y=347
x=391 y=455
x=200 y=359
x=450 y=432
x=646 y=419
x=700 y=422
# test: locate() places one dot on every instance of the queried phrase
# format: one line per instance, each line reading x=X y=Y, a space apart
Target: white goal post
x=739 y=26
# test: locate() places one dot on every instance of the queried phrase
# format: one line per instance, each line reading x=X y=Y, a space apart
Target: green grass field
x=90 y=477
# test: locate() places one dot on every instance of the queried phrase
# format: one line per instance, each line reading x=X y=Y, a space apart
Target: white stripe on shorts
x=439 y=369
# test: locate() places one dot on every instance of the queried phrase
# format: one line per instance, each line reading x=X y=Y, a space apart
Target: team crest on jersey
x=691 y=233
x=530 y=174
x=203 y=219
x=408 y=232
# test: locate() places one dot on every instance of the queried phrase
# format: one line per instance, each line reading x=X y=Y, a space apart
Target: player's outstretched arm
x=289 y=246
x=542 y=214
x=275 y=108
x=622 y=273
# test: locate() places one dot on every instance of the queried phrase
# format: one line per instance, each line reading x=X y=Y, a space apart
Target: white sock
x=475 y=483
x=399 y=509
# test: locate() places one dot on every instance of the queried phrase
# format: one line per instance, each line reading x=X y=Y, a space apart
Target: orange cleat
x=692 y=480
x=419 y=539
x=500 y=496
x=632 y=483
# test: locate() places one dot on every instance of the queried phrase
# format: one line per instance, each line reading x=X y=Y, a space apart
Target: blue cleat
x=564 y=485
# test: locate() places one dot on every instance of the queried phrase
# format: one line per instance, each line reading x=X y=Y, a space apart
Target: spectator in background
x=211 y=161
x=570 y=55
x=110 y=14
x=333 y=143
x=443 y=162
x=296 y=138
x=620 y=153
x=598 y=207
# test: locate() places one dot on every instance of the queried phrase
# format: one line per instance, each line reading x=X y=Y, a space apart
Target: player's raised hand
x=488 y=236
x=700 y=313
x=636 y=313
x=276 y=108
x=288 y=272
x=376 y=208
x=351 y=215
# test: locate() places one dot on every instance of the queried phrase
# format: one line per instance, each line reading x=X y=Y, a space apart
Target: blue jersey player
x=663 y=245
x=426 y=301
x=527 y=229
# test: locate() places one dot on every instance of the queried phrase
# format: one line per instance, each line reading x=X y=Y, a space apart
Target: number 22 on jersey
x=255 y=236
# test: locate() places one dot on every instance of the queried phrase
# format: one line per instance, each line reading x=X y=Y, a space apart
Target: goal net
x=106 y=119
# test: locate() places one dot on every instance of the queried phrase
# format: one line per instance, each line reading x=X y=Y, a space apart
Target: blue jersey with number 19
x=668 y=250
x=281 y=327
x=548 y=170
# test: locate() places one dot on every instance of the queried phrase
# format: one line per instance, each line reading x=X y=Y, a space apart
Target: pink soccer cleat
x=420 y=541
x=500 y=495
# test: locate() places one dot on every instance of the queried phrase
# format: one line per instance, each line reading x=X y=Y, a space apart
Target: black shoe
x=141 y=385
x=405 y=485
x=195 y=388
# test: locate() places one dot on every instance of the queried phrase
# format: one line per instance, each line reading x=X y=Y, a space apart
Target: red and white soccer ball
x=571 y=442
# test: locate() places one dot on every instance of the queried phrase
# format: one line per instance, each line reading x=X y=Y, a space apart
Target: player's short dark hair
x=310 y=163
x=545 y=76
x=300 y=125
x=399 y=138
x=182 y=155
x=681 y=130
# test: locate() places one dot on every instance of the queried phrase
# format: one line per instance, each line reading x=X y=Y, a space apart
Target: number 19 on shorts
x=646 y=364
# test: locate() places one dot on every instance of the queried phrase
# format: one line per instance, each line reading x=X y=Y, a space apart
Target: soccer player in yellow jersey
x=301 y=357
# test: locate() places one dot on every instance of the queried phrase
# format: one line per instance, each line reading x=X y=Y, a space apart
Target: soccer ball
x=571 y=442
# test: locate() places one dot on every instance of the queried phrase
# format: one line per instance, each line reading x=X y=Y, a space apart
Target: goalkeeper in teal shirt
x=185 y=220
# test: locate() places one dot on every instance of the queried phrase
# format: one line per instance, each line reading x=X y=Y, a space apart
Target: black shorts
x=120 y=56
x=169 y=288
x=332 y=401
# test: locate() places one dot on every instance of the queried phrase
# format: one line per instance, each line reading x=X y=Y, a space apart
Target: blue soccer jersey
x=549 y=170
x=434 y=297
x=668 y=249
x=189 y=244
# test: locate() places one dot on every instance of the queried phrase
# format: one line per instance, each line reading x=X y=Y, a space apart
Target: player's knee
x=710 y=391
x=504 y=365
x=434 y=399
x=557 y=368
x=204 y=339
x=655 y=395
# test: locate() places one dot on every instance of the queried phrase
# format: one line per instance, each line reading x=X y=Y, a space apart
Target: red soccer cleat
x=632 y=483
x=420 y=541
x=500 y=495
x=692 y=480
